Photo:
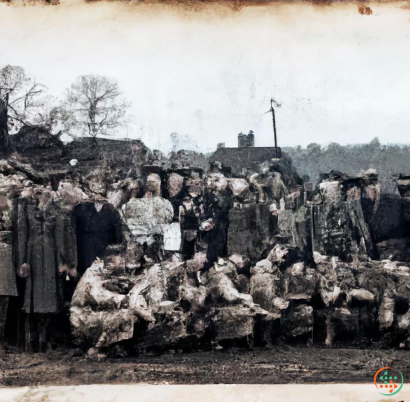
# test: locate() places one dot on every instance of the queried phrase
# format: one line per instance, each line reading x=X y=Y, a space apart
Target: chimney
x=246 y=140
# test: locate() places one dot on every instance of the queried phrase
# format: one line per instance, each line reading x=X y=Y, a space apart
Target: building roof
x=244 y=157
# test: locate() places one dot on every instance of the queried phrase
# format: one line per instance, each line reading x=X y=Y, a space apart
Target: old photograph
x=204 y=201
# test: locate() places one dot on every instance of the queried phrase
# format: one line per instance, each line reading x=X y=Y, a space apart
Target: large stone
x=169 y=328
x=386 y=314
x=250 y=230
x=342 y=326
x=264 y=289
x=283 y=256
x=360 y=297
x=101 y=328
x=298 y=322
x=234 y=322
x=102 y=317
x=197 y=262
x=326 y=288
x=262 y=267
x=298 y=282
x=286 y=225
x=137 y=304
x=341 y=230
x=96 y=315
x=147 y=216
x=91 y=292
x=156 y=277
x=278 y=255
x=222 y=291
x=71 y=194
x=195 y=296
x=241 y=262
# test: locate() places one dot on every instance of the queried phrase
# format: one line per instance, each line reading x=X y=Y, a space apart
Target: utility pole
x=272 y=110
x=274 y=127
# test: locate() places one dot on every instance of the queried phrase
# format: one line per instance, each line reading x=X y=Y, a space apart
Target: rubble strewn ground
x=280 y=365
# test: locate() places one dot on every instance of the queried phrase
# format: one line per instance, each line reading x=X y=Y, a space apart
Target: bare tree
x=94 y=107
x=4 y=135
x=175 y=141
x=24 y=98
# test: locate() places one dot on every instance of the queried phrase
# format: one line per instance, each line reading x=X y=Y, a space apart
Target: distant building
x=246 y=140
x=246 y=156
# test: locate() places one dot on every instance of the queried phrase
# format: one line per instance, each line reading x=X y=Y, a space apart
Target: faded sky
x=342 y=76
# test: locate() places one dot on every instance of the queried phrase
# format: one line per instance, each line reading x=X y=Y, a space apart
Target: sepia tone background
x=208 y=70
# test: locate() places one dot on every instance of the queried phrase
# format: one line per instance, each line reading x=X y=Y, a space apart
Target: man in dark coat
x=46 y=258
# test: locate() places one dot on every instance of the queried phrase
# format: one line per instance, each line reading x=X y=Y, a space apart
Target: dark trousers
x=4 y=304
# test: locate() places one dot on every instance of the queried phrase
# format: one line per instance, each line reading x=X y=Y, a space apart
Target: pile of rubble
x=154 y=252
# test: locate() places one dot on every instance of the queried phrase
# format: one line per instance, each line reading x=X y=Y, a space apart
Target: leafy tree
x=350 y=159
x=314 y=149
